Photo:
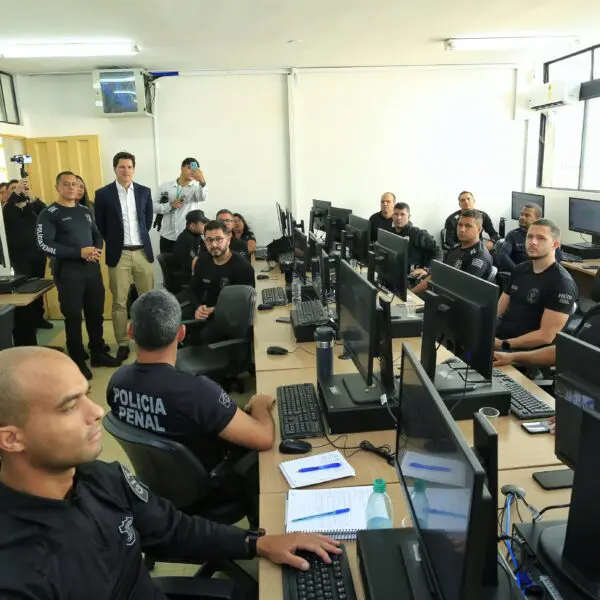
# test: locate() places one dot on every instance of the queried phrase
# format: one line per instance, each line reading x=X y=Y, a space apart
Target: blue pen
x=429 y=467
x=339 y=511
x=445 y=513
x=319 y=468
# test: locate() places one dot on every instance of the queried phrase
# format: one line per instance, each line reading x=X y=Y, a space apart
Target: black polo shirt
x=475 y=260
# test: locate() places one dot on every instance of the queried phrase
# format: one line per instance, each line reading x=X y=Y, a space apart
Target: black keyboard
x=523 y=404
x=260 y=254
x=275 y=296
x=571 y=257
x=321 y=581
x=299 y=412
x=311 y=312
x=36 y=285
x=285 y=257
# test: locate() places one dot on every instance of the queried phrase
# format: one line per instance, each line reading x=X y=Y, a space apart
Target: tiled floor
x=111 y=449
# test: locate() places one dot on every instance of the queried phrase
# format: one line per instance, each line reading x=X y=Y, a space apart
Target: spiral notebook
x=303 y=503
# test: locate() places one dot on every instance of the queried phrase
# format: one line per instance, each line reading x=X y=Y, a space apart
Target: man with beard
x=541 y=294
x=214 y=270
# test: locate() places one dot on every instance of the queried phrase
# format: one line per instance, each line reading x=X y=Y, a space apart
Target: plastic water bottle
x=420 y=502
x=379 y=507
x=296 y=290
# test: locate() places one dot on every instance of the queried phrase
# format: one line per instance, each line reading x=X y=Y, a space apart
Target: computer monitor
x=356 y=239
x=521 y=198
x=318 y=215
x=327 y=278
x=357 y=319
x=573 y=548
x=443 y=485
x=337 y=221
x=584 y=217
x=460 y=314
x=282 y=219
x=301 y=253
x=390 y=263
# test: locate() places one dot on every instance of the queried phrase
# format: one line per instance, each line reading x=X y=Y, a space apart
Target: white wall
x=423 y=134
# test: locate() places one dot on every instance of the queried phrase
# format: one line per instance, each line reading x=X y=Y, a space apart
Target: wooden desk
x=583 y=277
x=272 y=518
x=20 y=300
x=536 y=495
x=517 y=449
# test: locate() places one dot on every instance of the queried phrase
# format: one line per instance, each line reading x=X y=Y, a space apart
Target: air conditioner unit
x=551 y=95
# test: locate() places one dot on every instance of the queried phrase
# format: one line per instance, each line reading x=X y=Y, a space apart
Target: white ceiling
x=253 y=34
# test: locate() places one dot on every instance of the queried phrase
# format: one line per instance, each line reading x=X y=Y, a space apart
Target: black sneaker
x=85 y=370
x=123 y=353
x=104 y=360
x=43 y=324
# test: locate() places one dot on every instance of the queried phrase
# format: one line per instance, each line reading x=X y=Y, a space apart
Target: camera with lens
x=22 y=159
x=164 y=199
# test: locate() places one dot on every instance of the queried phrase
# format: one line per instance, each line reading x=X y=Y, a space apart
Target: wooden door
x=50 y=156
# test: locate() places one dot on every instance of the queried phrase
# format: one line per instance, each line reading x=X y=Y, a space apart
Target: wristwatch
x=505 y=345
x=251 y=539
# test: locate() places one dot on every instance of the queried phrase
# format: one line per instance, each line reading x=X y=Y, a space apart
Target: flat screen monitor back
x=519 y=199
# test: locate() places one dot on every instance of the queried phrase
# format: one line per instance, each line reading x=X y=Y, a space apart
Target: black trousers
x=80 y=288
x=166 y=246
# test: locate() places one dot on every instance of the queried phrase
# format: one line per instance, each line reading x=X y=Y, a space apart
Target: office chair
x=493 y=274
x=224 y=360
x=172 y=276
x=7 y=324
x=174 y=473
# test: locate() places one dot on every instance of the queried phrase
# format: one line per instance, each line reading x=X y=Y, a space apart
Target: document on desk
x=338 y=512
x=319 y=468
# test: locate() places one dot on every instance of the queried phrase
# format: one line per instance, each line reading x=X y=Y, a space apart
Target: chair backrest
x=7 y=321
x=498 y=246
x=234 y=312
x=167 y=467
x=595 y=289
x=168 y=266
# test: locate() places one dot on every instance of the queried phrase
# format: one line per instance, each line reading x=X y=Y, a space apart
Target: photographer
x=176 y=199
x=20 y=215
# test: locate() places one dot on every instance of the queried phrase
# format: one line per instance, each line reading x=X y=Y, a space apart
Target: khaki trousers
x=133 y=267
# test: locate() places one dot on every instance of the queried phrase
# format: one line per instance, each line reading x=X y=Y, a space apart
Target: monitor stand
x=391 y=568
x=449 y=379
x=359 y=393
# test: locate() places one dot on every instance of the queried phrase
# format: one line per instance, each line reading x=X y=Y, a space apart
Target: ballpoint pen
x=320 y=467
x=339 y=511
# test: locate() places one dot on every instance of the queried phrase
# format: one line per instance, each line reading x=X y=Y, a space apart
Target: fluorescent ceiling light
x=509 y=43
x=69 y=50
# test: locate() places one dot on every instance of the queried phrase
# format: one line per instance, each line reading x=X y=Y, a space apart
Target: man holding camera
x=176 y=199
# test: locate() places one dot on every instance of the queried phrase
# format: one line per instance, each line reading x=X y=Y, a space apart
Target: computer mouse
x=294 y=447
x=265 y=307
x=277 y=350
x=452 y=359
x=262 y=277
x=419 y=310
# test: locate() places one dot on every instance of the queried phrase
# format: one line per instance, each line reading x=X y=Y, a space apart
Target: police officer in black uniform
x=541 y=295
x=422 y=249
x=190 y=243
x=75 y=527
x=66 y=232
x=470 y=254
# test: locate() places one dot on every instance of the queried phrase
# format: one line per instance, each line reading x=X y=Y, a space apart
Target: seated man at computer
x=587 y=331
x=422 y=248
x=75 y=527
x=470 y=254
x=190 y=243
x=466 y=201
x=153 y=395
x=514 y=252
x=216 y=269
x=541 y=295
x=383 y=219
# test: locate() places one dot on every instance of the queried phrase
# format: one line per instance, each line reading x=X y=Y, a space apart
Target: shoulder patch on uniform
x=139 y=489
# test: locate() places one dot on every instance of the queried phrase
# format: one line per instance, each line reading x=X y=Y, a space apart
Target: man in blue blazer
x=124 y=217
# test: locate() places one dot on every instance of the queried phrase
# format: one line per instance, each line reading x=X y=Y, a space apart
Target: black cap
x=188 y=161
x=196 y=216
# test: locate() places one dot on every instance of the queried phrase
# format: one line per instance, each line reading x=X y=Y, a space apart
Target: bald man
x=68 y=520
x=384 y=218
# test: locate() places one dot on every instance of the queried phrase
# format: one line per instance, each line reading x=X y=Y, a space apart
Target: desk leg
x=25 y=331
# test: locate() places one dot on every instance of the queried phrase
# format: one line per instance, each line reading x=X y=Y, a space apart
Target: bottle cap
x=419 y=485
x=379 y=486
